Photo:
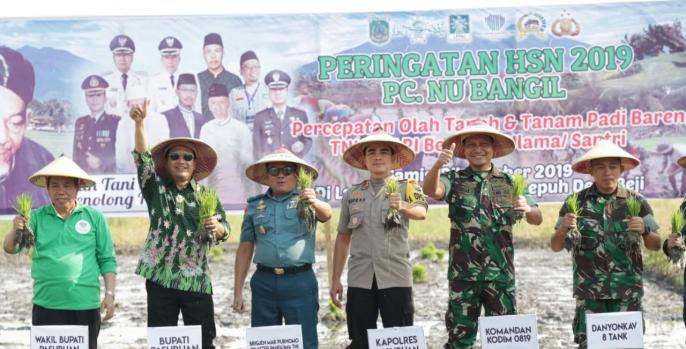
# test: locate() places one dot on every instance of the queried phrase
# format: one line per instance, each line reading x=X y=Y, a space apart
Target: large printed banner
x=557 y=79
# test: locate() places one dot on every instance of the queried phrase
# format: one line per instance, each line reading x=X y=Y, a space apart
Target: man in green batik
x=607 y=259
x=173 y=261
x=482 y=210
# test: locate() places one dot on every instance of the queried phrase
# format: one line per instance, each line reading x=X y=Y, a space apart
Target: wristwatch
x=109 y=293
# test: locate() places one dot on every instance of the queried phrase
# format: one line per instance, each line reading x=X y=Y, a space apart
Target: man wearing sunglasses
x=607 y=260
x=174 y=261
x=284 y=287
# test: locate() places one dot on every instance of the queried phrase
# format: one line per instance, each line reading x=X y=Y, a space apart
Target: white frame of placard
x=639 y=325
x=529 y=345
x=80 y=328
x=420 y=332
x=275 y=328
x=175 y=328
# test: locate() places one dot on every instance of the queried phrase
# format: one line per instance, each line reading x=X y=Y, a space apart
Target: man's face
x=170 y=62
x=62 y=191
x=219 y=106
x=378 y=158
x=123 y=60
x=250 y=71
x=180 y=163
x=478 y=150
x=96 y=100
x=187 y=94
x=606 y=173
x=279 y=182
x=13 y=117
x=213 y=55
x=278 y=96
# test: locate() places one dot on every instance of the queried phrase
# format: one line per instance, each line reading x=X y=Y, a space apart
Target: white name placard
x=508 y=331
x=409 y=337
x=173 y=337
x=615 y=330
x=46 y=337
x=274 y=337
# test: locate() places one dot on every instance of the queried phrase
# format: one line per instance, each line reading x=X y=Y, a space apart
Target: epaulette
x=258 y=196
x=363 y=184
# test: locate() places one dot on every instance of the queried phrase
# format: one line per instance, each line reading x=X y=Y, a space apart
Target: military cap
x=170 y=46
x=94 y=82
x=218 y=90
x=277 y=79
x=213 y=39
x=248 y=55
x=16 y=74
x=122 y=43
x=186 y=79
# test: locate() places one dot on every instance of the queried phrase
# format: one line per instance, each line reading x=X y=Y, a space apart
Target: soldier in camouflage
x=482 y=210
x=607 y=261
x=675 y=240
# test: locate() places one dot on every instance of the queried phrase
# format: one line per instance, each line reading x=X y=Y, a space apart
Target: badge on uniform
x=354 y=220
x=261 y=205
x=293 y=203
x=82 y=227
x=262 y=230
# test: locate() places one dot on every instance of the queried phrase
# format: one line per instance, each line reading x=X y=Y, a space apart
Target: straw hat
x=502 y=143
x=682 y=161
x=61 y=167
x=604 y=149
x=258 y=170
x=205 y=156
x=402 y=154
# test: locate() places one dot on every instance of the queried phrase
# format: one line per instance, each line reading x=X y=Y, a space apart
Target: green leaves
x=207 y=202
x=305 y=178
x=677 y=221
x=24 y=238
x=634 y=206
x=393 y=219
x=573 y=205
x=518 y=185
x=24 y=206
x=573 y=237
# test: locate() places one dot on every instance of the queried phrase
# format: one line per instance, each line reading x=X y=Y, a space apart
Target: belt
x=284 y=271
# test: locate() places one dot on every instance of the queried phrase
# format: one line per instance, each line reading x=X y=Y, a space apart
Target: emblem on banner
x=93 y=82
x=566 y=25
x=494 y=22
x=169 y=41
x=459 y=28
x=531 y=23
x=122 y=41
x=379 y=30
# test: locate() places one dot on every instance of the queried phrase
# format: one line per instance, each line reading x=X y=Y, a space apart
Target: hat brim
x=605 y=150
x=61 y=167
x=402 y=154
x=205 y=156
x=257 y=172
x=502 y=144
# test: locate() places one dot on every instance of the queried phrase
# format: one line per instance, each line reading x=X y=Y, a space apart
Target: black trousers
x=363 y=308
x=197 y=308
x=41 y=316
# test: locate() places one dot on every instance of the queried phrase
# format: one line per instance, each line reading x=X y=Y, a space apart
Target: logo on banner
x=169 y=41
x=379 y=30
x=419 y=30
x=566 y=25
x=495 y=22
x=459 y=28
x=531 y=23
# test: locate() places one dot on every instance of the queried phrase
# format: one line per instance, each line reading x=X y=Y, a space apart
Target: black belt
x=284 y=271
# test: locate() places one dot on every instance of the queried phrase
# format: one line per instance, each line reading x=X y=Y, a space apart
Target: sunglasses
x=186 y=156
x=287 y=171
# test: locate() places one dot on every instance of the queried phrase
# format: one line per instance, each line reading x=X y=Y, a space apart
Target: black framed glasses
x=287 y=171
x=186 y=156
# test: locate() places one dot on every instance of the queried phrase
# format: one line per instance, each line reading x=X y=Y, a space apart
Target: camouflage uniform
x=481 y=268
x=608 y=263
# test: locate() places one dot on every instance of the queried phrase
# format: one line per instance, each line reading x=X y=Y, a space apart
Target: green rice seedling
x=634 y=208
x=573 y=238
x=207 y=203
x=420 y=274
x=393 y=219
x=305 y=212
x=676 y=253
x=24 y=238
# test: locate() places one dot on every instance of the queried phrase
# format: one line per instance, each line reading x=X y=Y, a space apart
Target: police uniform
x=116 y=92
x=206 y=78
x=96 y=135
x=271 y=132
x=162 y=86
x=248 y=101
x=182 y=122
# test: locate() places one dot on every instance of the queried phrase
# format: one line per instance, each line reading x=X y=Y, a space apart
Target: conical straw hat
x=502 y=143
x=258 y=170
x=205 y=156
x=61 y=167
x=402 y=154
x=604 y=149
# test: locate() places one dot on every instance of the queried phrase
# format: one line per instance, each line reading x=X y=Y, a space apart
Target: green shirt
x=69 y=256
x=608 y=263
x=171 y=256
x=481 y=218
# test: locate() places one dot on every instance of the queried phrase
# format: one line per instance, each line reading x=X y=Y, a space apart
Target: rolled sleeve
x=107 y=261
x=344 y=217
x=221 y=217
x=247 y=228
x=447 y=180
x=145 y=168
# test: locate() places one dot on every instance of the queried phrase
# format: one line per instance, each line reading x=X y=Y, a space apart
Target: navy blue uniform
x=97 y=137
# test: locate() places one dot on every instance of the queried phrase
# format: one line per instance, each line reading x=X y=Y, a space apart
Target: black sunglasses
x=287 y=171
x=186 y=156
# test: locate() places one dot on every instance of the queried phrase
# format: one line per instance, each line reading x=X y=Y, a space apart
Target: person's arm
x=322 y=210
x=433 y=187
x=240 y=271
x=340 y=256
x=138 y=114
x=107 y=304
x=8 y=243
x=107 y=263
x=646 y=226
x=566 y=221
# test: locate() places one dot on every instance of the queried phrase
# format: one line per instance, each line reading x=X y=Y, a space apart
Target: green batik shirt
x=171 y=256
x=608 y=262
x=481 y=217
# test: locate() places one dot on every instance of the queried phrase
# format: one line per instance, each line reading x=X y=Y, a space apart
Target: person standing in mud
x=174 y=258
x=482 y=210
x=678 y=239
x=379 y=274
x=73 y=247
x=284 y=287
x=607 y=258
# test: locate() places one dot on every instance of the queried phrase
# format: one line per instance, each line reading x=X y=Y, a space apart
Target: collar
x=621 y=192
x=494 y=172
x=184 y=110
x=51 y=210
x=283 y=197
x=169 y=183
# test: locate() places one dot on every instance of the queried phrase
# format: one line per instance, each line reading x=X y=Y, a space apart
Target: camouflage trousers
x=466 y=299
x=591 y=306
